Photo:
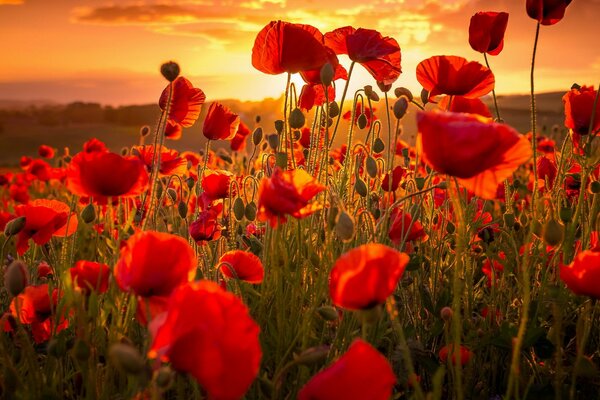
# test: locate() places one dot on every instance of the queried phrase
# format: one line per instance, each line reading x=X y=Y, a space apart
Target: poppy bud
x=450 y=227
x=182 y=209
x=424 y=96
x=279 y=126
x=313 y=355
x=361 y=187
x=239 y=208
x=371 y=167
x=402 y=91
x=172 y=193
x=250 y=211
x=88 y=214
x=362 y=121
x=124 y=151
x=297 y=118
x=553 y=232
x=345 y=226
x=442 y=185
x=296 y=135
x=170 y=70
x=145 y=131
x=327 y=74
x=595 y=187
x=14 y=226
x=446 y=313
x=257 y=119
x=400 y=107
x=164 y=377
x=378 y=146
x=126 y=358
x=223 y=155
x=420 y=182
x=328 y=313
x=334 y=109
x=15 y=278
x=273 y=141
x=370 y=93
x=190 y=182
x=257 y=136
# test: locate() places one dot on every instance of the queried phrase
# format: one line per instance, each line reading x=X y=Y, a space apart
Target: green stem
x=534 y=121
x=342 y=105
x=493 y=90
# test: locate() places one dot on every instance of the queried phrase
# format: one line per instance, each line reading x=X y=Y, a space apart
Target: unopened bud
x=279 y=126
x=14 y=226
x=273 y=141
x=250 y=211
x=182 y=209
x=370 y=93
x=88 y=214
x=239 y=208
x=424 y=96
x=328 y=313
x=402 y=91
x=378 y=146
x=509 y=220
x=297 y=118
x=313 y=355
x=327 y=73
x=400 y=107
x=334 y=109
x=344 y=227
x=361 y=187
x=170 y=70
x=553 y=232
x=362 y=121
x=371 y=165
x=164 y=377
x=145 y=130
x=257 y=136
x=126 y=358
x=15 y=278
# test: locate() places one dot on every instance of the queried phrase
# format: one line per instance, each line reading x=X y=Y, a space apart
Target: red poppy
x=582 y=276
x=90 y=276
x=276 y=48
x=94 y=145
x=220 y=122
x=171 y=163
x=547 y=170
x=478 y=152
x=463 y=105
x=173 y=130
x=206 y=227
x=242 y=265
x=24 y=161
x=454 y=76
x=492 y=269
x=186 y=102
x=154 y=263
x=238 y=143
x=287 y=193
x=314 y=95
x=397 y=175
x=365 y=276
x=215 y=184
x=369 y=113
x=209 y=334
x=547 y=12
x=404 y=228
x=464 y=354
x=46 y=151
x=361 y=373
x=579 y=107
x=40 y=169
x=313 y=76
x=44 y=270
x=486 y=32
x=44 y=219
x=378 y=54
x=101 y=174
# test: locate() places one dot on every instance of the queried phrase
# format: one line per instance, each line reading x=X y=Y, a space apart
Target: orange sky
x=109 y=52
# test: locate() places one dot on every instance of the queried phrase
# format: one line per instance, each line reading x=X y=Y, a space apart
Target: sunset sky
x=110 y=52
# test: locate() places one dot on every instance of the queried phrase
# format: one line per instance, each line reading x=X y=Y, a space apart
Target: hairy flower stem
x=337 y=122
x=390 y=160
x=286 y=136
x=493 y=91
x=534 y=121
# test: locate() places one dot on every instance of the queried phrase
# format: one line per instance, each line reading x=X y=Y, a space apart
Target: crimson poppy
x=206 y=227
x=101 y=174
x=547 y=12
x=403 y=227
x=94 y=145
x=238 y=143
x=478 y=152
x=492 y=269
x=40 y=169
x=314 y=95
x=171 y=163
x=378 y=54
x=46 y=151
x=242 y=265
x=361 y=373
x=90 y=276
x=397 y=175
x=454 y=76
x=365 y=276
x=208 y=333
x=582 y=276
x=547 y=170
x=464 y=354
x=220 y=122
x=461 y=104
x=486 y=32
x=154 y=263
x=579 y=107
x=186 y=102
x=173 y=130
x=44 y=219
x=276 y=48
x=287 y=193
x=215 y=184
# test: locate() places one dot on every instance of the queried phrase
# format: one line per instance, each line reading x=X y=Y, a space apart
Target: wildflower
x=404 y=228
x=461 y=104
x=242 y=265
x=579 y=107
x=463 y=354
x=90 y=276
x=184 y=108
x=171 y=163
x=220 y=123
x=206 y=227
x=547 y=12
x=238 y=143
x=486 y=32
x=46 y=151
x=583 y=274
x=215 y=184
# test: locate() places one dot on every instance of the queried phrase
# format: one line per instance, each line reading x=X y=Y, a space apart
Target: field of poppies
x=465 y=265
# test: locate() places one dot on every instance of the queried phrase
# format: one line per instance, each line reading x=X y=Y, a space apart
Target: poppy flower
x=171 y=163
x=46 y=151
x=492 y=269
x=100 y=175
x=547 y=170
x=220 y=123
x=215 y=184
x=404 y=227
x=40 y=169
x=206 y=227
x=238 y=143
x=478 y=152
x=547 y=12
x=314 y=95
x=276 y=48
x=44 y=219
x=24 y=161
x=368 y=111
x=361 y=373
x=90 y=276
x=154 y=263
x=242 y=265
x=583 y=274
x=365 y=276
x=460 y=104
x=378 y=54
x=287 y=193
x=209 y=334
x=486 y=32
x=173 y=130
x=186 y=102
x=397 y=175
x=454 y=76
x=579 y=107
x=94 y=145
x=464 y=354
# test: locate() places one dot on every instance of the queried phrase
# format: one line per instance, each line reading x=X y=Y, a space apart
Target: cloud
x=135 y=15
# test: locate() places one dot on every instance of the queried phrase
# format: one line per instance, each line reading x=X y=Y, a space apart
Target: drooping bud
x=400 y=107
x=509 y=220
x=371 y=165
x=378 y=146
x=424 y=96
x=172 y=193
x=250 y=211
x=334 y=109
x=312 y=355
x=554 y=232
x=88 y=214
x=328 y=313
x=279 y=126
x=273 y=141
x=370 y=93
x=297 y=118
x=15 y=278
x=170 y=70
x=362 y=121
x=361 y=187
x=344 y=227
x=14 y=226
x=327 y=74
x=257 y=136
x=182 y=209
x=238 y=208
x=164 y=377
x=126 y=358
x=402 y=91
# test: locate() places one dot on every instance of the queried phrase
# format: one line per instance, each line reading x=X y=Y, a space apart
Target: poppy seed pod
x=15 y=278
x=170 y=70
x=327 y=73
x=400 y=107
x=14 y=226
